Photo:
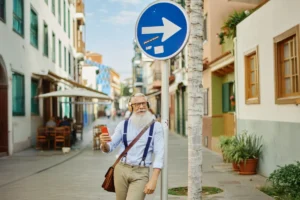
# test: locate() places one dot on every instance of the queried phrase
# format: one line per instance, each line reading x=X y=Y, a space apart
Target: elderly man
x=131 y=175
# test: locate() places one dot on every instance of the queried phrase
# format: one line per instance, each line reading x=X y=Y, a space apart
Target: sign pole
x=165 y=122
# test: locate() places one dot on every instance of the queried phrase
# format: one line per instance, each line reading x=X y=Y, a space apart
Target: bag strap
x=133 y=142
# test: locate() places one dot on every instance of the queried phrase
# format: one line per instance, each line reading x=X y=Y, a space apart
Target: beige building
x=218 y=64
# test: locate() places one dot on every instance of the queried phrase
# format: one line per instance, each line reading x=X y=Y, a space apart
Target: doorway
x=3 y=108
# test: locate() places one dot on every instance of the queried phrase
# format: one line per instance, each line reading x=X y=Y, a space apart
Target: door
x=3 y=119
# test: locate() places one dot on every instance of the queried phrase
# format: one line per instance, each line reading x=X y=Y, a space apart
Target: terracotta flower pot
x=233 y=103
x=249 y=167
x=235 y=167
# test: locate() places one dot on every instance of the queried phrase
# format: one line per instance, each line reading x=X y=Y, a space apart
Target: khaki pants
x=130 y=181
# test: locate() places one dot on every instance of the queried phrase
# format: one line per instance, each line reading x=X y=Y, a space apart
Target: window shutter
x=225 y=97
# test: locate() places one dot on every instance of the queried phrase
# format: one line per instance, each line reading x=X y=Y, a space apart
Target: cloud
x=128 y=1
x=102 y=11
x=123 y=18
x=89 y=14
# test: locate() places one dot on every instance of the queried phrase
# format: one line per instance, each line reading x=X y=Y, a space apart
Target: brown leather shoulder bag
x=108 y=183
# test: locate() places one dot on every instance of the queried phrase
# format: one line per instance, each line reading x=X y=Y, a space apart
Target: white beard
x=140 y=121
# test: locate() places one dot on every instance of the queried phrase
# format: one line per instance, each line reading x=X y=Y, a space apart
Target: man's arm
x=159 y=158
x=151 y=185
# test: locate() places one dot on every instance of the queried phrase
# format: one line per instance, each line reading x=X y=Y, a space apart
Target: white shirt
x=135 y=154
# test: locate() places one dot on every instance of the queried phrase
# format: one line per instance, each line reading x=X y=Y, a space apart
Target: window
x=53 y=47
x=18 y=17
x=46 y=40
x=34 y=28
x=287 y=68
x=18 y=94
x=227 y=93
x=59 y=11
x=2 y=10
x=69 y=25
x=64 y=15
x=59 y=53
x=252 y=90
x=65 y=57
x=53 y=7
x=70 y=63
x=205 y=99
x=46 y=1
x=205 y=28
x=34 y=100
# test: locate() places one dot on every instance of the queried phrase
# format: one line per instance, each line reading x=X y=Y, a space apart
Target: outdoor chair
x=42 y=138
x=59 y=137
x=67 y=135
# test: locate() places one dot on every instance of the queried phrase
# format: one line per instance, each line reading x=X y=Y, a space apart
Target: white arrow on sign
x=168 y=29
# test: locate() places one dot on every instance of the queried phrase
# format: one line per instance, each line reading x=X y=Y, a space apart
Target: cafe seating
x=42 y=138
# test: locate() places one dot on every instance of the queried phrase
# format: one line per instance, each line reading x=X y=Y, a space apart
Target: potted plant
x=232 y=100
x=247 y=152
x=230 y=151
x=224 y=143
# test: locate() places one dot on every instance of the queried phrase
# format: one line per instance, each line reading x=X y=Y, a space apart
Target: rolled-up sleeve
x=158 y=147
x=116 y=138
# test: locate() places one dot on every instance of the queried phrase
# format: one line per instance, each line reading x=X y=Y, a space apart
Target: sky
x=110 y=30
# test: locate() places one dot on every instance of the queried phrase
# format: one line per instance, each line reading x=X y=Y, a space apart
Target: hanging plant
x=221 y=36
x=233 y=20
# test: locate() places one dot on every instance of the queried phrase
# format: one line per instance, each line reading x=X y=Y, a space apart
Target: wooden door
x=3 y=119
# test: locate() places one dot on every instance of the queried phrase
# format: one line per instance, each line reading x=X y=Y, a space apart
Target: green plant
x=286 y=180
x=243 y=146
x=233 y=20
x=224 y=142
x=221 y=36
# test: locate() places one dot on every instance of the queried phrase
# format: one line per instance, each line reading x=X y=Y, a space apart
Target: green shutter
x=65 y=57
x=225 y=97
x=69 y=63
x=69 y=24
x=59 y=52
x=34 y=28
x=34 y=101
x=18 y=17
x=18 y=95
x=64 y=16
x=46 y=40
x=59 y=11
x=53 y=47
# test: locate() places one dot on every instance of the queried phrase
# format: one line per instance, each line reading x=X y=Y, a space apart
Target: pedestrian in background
x=131 y=174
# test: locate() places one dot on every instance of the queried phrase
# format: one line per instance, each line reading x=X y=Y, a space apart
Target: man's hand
x=104 y=138
x=150 y=187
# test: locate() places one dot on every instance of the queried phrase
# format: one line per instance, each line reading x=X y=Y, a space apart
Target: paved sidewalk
x=83 y=170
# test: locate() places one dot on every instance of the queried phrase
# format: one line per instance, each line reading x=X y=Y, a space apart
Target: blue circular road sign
x=162 y=30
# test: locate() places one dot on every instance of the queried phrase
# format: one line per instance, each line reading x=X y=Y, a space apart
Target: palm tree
x=195 y=98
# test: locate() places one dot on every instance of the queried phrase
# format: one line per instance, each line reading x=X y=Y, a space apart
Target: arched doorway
x=3 y=108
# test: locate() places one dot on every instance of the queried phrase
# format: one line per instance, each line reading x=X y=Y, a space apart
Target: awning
x=52 y=75
x=76 y=92
x=153 y=94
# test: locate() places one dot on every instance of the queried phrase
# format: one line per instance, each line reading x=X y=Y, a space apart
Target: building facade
x=38 y=55
x=268 y=81
x=218 y=75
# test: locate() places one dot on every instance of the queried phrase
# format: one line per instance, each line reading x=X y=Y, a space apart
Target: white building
x=268 y=81
x=37 y=55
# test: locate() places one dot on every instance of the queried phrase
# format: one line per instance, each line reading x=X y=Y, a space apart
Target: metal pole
x=165 y=123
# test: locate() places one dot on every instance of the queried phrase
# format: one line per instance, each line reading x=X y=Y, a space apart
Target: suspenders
x=147 y=145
